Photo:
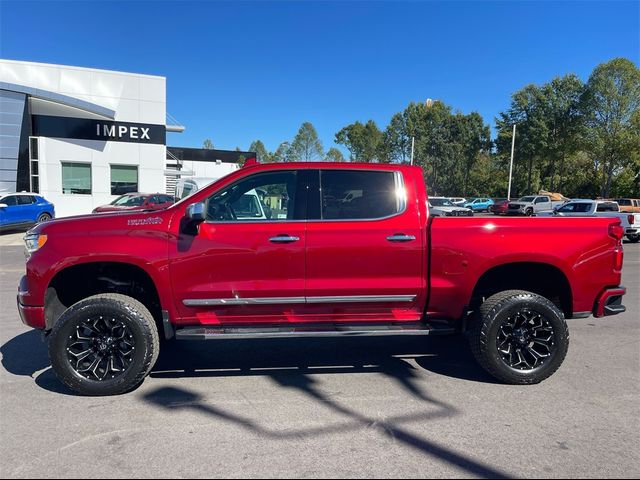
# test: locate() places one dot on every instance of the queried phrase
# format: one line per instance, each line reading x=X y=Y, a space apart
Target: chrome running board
x=311 y=331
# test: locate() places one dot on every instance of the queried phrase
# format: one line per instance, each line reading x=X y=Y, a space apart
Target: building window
x=76 y=178
x=124 y=179
x=34 y=176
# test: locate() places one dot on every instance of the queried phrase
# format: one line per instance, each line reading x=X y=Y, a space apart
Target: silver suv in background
x=443 y=207
x=532 y=205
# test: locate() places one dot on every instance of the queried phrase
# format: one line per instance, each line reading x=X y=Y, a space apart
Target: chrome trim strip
x=211 y=302
x=361 y=298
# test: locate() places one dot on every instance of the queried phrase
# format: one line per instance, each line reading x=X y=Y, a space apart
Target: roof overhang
x=61 y=99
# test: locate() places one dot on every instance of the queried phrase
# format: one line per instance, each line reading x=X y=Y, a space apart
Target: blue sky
x=239 y=71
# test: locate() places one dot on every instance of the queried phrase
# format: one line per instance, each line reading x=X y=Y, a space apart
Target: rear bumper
x=609 y=302
x=32 y=316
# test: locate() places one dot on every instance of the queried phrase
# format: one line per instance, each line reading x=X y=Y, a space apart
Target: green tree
x=364 y=141
x=207 y=144
x=262 y=154
x=283 y=153
x=334 y=155
x=306 y=145
x=610 y=105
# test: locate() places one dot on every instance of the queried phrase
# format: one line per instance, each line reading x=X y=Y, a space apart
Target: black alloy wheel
x=101 y=348
x=105 y=344
x=519 y=337
x=525 y=340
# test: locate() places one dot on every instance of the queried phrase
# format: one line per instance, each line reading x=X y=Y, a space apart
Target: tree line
x=578 y=138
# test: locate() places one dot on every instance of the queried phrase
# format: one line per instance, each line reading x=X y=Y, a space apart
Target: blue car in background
x=18 y=210
x=479 y=204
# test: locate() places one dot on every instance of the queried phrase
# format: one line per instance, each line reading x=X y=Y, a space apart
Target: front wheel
x=529 y=212
x=104 y=345
x=633 y=238
x=519 y=337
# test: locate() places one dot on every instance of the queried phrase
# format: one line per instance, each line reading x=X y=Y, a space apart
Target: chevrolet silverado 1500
x=106 y=288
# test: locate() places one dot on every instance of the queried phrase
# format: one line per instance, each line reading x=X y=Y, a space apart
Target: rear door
x=364 y=251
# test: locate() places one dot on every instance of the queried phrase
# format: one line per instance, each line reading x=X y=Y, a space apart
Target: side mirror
x=195 y=212
x=3 y=205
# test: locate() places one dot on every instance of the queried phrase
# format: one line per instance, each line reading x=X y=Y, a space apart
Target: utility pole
x=513 y=146
x=413 y=142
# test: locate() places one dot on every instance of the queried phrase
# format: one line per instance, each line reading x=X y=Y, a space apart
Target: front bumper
x=31 y=316
x=610 y=302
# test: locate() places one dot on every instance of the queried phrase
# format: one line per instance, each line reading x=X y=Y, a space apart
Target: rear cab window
x=360 y=194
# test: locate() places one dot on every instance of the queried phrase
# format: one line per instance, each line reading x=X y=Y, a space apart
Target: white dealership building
x=81 y=136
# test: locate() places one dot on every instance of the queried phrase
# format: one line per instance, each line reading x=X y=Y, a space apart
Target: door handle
x=401 y=237
x=284 y=239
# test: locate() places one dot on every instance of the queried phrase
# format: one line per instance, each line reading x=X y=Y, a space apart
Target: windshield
x=441 y=202
x=128 y=201
x=526 y=199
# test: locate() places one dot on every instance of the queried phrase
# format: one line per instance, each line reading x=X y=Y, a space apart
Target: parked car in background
x=629 y=205
x=458 y=201
x=599 y=208
x=500 y=206
x=18 y=210
x=479 y=204
x=532 y=204
x=443 y=207
x=130 y=202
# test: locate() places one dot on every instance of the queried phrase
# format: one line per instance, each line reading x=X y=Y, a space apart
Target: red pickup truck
x=312 y=249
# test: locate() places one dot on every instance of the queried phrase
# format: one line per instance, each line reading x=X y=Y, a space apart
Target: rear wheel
x=44 y=217
x=519 y=337
x=104 y=345
x=633 y=238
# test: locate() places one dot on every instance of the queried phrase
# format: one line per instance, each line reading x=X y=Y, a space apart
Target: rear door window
x=359 y=194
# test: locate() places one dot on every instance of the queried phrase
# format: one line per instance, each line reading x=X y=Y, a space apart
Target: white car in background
x=599 y=208
x=443 y=207
x=458 y=201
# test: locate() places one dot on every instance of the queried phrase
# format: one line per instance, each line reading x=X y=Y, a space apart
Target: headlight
x=33 y=242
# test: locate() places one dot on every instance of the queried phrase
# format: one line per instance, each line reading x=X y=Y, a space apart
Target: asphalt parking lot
x=393 y=407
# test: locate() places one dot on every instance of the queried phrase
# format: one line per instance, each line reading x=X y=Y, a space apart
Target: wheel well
x=541 y=278
x=81 y=281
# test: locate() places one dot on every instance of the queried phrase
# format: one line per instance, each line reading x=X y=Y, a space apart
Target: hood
x=109 y=221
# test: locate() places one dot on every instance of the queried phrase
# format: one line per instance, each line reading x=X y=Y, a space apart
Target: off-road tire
x=483 y=335
x=144 y=336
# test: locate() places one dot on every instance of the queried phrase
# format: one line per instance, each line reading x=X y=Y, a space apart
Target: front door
x=247 y=261
x=365 y=249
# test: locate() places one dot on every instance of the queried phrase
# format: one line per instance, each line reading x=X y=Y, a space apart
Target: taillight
x=618 y=259
x=631 y=219
x=616 y=231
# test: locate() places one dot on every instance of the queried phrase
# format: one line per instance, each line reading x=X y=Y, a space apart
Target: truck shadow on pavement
x=294 y=368
x=291 y=366
x=26 y=355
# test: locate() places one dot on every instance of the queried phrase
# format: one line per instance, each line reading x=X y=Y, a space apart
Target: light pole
x=513 y=146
